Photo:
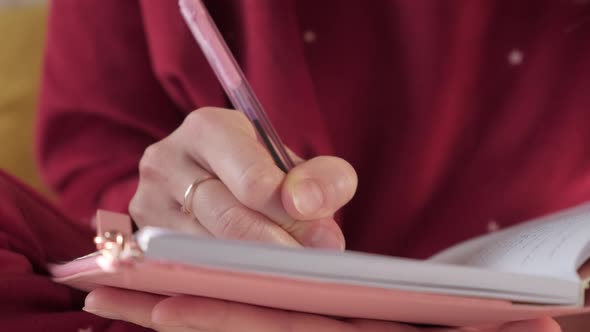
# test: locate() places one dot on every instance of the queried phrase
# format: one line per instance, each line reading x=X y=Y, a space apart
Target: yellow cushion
x=22 y=30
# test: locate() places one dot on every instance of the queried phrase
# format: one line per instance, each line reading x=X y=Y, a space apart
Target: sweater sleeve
x=101 y=104
x=33 y=234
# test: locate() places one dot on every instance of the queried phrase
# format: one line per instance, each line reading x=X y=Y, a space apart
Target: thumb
x=317 y=188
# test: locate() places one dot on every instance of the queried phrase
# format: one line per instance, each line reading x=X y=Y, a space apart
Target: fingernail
x=307 y=196
x=103 y=313
x=323 y=238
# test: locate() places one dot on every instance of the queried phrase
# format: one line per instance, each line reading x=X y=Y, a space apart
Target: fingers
x=187 y=313
x=133 y=307
x=150 y=206
x=218 y=211
x=538 y=325
x=119 y=304
x=191 y=313
x=214 y=315
x=226 y=217
x=318 y=188
x=224 y=143
x=380 y=326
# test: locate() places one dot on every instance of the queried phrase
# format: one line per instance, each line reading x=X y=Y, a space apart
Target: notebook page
x=554 y=245
x=353 y=268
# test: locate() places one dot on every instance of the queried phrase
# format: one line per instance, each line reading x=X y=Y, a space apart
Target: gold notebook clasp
x=115 y=241
x=116 y=246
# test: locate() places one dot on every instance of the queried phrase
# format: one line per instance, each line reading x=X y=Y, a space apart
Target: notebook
x=531 y=270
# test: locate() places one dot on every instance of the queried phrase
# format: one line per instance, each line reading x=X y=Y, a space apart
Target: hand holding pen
x=227 y=175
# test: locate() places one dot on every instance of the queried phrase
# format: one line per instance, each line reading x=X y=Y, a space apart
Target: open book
x=530 y=270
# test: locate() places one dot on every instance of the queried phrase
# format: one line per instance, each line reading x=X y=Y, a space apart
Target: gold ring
x=190 y=191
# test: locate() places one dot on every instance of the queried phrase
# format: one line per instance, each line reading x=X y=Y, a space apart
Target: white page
x=555 y=245
x=355 y=268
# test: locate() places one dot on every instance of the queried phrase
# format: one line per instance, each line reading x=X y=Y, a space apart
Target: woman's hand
x=241 y=194
x=188 y=314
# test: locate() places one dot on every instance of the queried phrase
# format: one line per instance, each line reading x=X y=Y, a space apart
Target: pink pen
x=232 y=78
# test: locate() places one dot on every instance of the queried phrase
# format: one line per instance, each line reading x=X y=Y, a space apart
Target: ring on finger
x=190 y=191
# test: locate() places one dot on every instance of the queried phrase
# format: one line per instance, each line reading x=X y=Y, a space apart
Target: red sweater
x=454 y=113
x=33 y=234
x=457 y=115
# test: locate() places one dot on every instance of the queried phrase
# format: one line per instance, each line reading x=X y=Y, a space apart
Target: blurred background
x=22 y=30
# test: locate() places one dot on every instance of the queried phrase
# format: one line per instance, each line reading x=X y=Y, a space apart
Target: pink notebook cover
x=330 y=299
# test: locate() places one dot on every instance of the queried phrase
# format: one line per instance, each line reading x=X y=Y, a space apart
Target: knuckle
x=257 y=184
x=244 y=123
x=201 y=119
x=151 y=163
x=209 y=119
x=201 y=125
x=137 y=209
x=237 y=222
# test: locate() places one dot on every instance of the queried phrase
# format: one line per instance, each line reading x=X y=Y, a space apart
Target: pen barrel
x=232 y=78
x=249 y=104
